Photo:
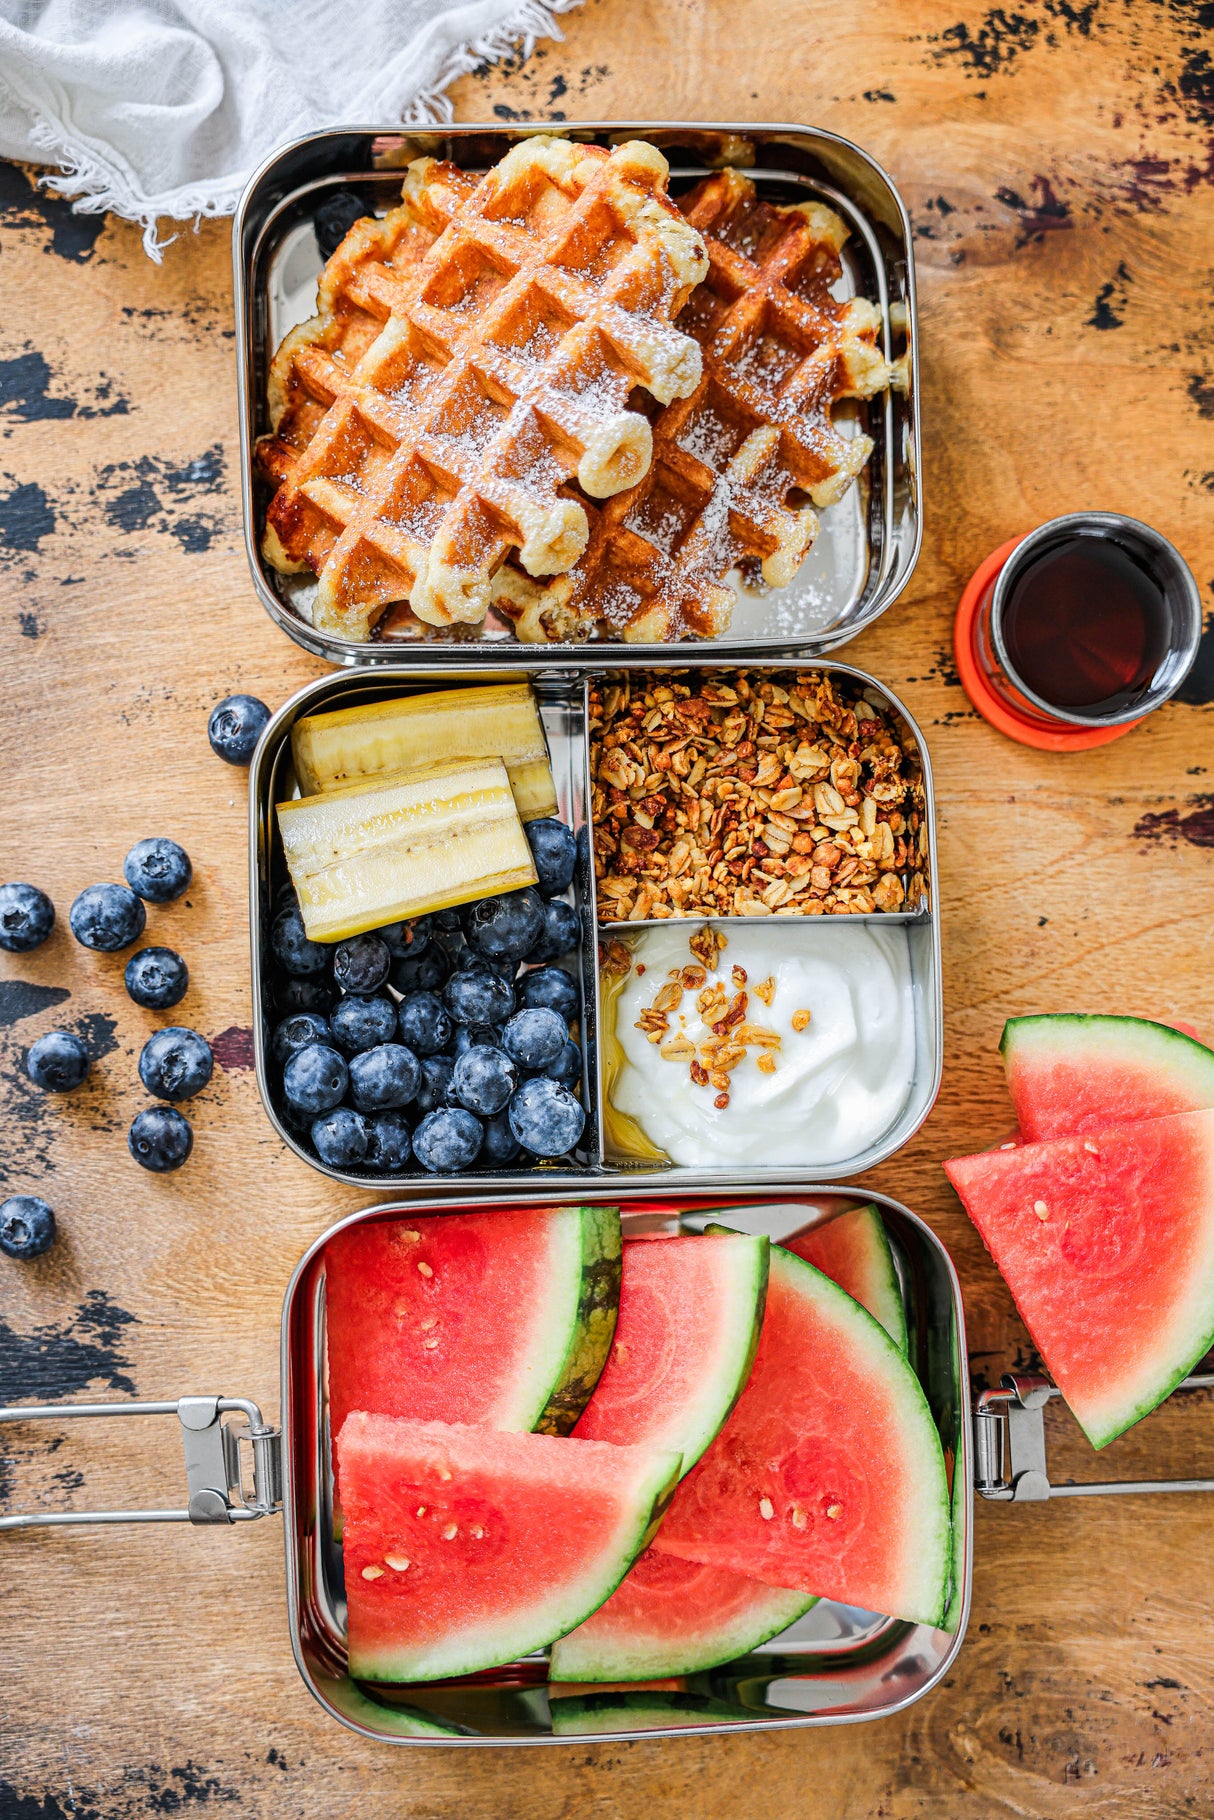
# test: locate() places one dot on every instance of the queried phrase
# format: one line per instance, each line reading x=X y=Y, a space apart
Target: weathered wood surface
x=1057 y=161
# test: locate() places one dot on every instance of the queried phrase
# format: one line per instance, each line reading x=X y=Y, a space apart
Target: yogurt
x=827 y=1029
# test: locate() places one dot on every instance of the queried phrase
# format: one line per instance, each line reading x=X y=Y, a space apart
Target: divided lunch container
x=868 y=542
x=561 y=691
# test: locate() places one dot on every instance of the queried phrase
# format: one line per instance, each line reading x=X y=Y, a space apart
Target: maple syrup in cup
x=1094 y=621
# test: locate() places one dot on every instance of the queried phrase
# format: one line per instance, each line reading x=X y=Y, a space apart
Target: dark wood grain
x=1058 y=164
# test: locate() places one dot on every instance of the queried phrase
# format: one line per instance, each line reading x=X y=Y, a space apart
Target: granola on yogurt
x=740 y=793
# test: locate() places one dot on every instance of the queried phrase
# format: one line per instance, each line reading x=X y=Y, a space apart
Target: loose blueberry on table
x=160 y=1139
x=157 y=869
x=175 y=1063
x=156 y=978
x=27 y=917
x=107 y=918
x=235 y=727
x=27 y=1226
x=58 y=1061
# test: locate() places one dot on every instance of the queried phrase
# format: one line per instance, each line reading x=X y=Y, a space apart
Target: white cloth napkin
x=157 y=108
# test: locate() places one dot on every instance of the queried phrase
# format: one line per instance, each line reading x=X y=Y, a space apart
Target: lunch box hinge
x=1009 y=1446
x=214 y=1462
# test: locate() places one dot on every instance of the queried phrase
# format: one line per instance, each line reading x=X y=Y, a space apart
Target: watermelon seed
x=834 y=1510
x=429 y=1345
x=431 y=1320
x=477 y=1531
x=1092 y=1149
x=399 y=1562
x=1041 y=1210
x=373 y=1572
x=412 y=1237
x=425 y=1269
x=421 y=1510
x=443 y=1473
x=1007 y=1146
x=767 y=1509
x=451 y=1531
x=799 y=1518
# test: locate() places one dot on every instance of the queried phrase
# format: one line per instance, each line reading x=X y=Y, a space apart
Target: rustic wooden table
x=1057 y=161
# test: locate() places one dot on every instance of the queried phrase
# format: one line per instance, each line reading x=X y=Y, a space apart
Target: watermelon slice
x=674 y=1617
x=853 y=1251
x=582 y=1715
x=829 y=1475
x=690 y=1313
x=464 y=1548
x=499 y=1317
x=1071 y=1073
x=1107 y=1244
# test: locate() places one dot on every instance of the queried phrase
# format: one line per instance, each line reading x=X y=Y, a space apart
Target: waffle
x=741 y=462
x=472 y=353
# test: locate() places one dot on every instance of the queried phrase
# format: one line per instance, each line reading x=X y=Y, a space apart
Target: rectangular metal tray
x=561 y=692
x=868 y=544
x=837 y=1665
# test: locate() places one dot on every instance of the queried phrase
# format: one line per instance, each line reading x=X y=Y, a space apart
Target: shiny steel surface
x=561 y=689
x=836 y=1665
x=869 y=542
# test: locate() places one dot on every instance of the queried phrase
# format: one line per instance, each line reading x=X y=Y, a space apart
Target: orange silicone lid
x=993 y=708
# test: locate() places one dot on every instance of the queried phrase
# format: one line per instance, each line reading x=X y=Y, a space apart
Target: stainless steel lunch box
x=835 y=1665
x=561 y=690
x=869 y=542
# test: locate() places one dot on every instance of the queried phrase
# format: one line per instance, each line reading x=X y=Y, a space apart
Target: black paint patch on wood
x=72 y=237
x=26 y=515
x=54 y=1362
x=1111 y=298
x=1201 y=390
x=1197 y=828
x=22 y=998
x=143 y=494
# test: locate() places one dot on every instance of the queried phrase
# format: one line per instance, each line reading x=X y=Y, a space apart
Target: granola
x=751 y=793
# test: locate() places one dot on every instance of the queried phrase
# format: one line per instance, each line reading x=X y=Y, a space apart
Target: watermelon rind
x=922 y=1589
x=645 y=1647
x=740 y=1263
x=1147 y=1346
x=583 y=1715
x=397 y=1720
x=577 y=1348
x=1138 y=1069
x=872 y=1277
x=399 y=1633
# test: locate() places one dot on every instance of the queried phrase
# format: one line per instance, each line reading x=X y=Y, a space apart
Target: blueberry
x=27 y=917
x=447 y=1140
x=476 y=996
x=504 y=928
x=474 y=1036
x=315 y=1079
x=27 y=1225
x=293 y=951
x=334 y=219
x=562 y=931
x=552 y=988
x=361 y=964
x=484 y=1079
x=58 y=1061
x=339 y=1138
x=450 y=946
x=471 y=960
x=424 y=1024
x=235 y=727
x=545 y=1117
x=107 y=917
x=291 y=996
x=420 y=973
x=295 y=1033
x=554 y=850
x=284 y=898
x=387 y=1075
x=388 y=1145
x=448 y=920
x=434 y=1087
x=499 y=1144
x=567 y=1068
x=408 y=940
x=175 y=1063
x=535 y=1038
x=156 y=978
x=157 y=869
x=160 y=1138
x=362 y=1023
